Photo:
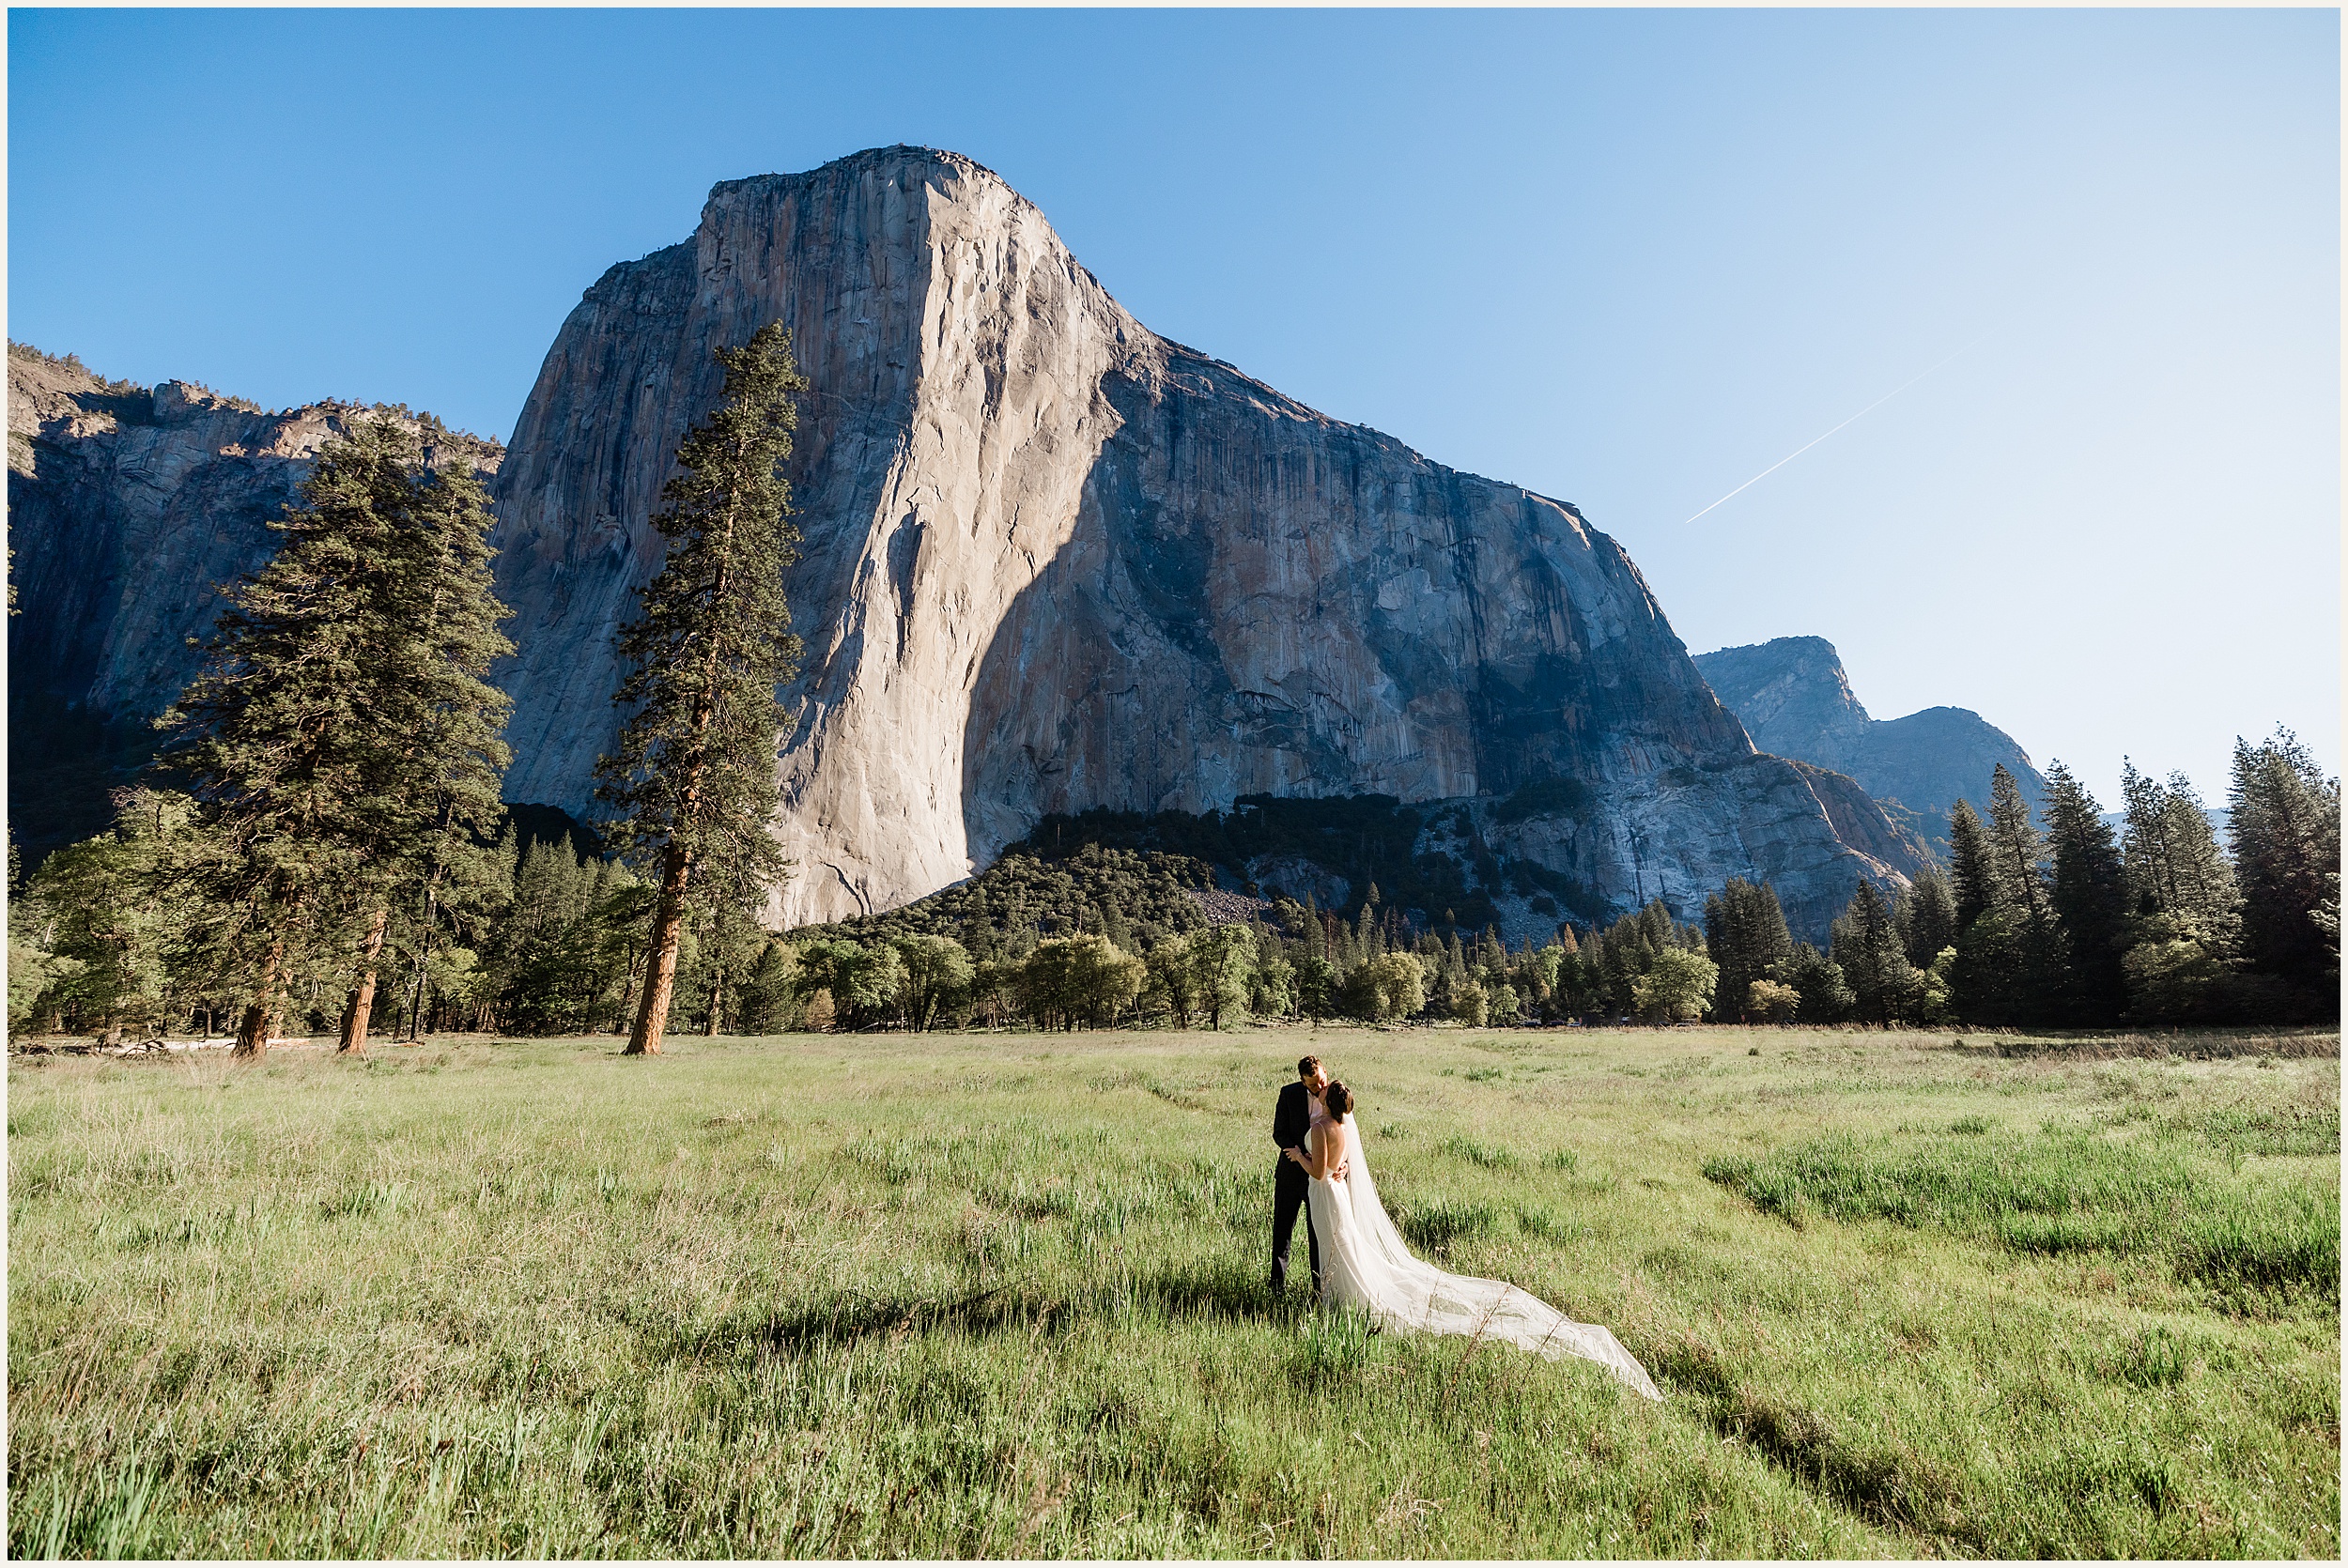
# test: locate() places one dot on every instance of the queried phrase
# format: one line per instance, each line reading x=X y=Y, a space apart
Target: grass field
x=1004 y=1295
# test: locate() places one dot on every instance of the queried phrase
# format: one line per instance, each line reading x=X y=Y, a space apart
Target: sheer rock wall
x=1053 y=560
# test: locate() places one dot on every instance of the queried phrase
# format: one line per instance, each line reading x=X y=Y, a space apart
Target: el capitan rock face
x=1796 y=701
x=1053 y=560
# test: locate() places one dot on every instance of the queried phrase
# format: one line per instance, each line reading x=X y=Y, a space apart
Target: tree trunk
x=252 y=1034
x=362 y=1002
x=717 y=997
x=423 y=959
x=668 y=924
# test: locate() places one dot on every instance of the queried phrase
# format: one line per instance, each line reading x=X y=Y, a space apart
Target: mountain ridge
x=1795 y=700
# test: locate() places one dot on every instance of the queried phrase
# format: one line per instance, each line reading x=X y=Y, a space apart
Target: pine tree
x=1925 y=912
x=2176 y=865
x=433 y=801
x=2010 y=966
x=2089 y=897
x=2173 y=863
x=692 y=778
x=276 y=737
x=2017 y=852
x=2207 y=893
x=1884 y=986
x=1826 y=998
x=1972 y=874
x=2285 y=828
x=1745 y=933
x=2144 y=842
x=99 y=908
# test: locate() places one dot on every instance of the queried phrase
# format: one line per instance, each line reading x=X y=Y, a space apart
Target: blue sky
x=1627 y=258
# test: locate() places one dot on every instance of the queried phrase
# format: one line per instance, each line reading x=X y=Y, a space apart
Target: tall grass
x=2067 y=1191
x=1005 y=1296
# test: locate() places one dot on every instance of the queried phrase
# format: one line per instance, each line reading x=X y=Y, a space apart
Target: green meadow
x=994 y=1293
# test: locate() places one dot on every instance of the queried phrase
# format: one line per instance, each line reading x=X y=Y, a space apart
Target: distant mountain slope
x=1796 y=701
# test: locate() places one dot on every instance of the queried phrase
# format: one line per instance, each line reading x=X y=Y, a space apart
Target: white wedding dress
x=1365 y=1264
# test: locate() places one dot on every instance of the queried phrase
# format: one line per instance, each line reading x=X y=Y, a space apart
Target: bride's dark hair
x=1339 y=1098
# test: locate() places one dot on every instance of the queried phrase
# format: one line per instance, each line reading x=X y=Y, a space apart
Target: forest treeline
x=2057 y=923
x=323 y=845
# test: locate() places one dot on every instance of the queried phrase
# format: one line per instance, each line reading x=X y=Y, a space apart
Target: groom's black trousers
x=1289 y=1188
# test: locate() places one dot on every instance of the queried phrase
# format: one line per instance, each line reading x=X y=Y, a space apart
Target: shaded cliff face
x=1796 y=701
x=1054 y=562
x=129 y=508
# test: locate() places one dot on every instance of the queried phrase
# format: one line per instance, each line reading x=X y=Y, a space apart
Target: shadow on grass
x=1899 y=1490
x=1023 y=1306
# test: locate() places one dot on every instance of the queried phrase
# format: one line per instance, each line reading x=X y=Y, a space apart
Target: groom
x=1298 y=1113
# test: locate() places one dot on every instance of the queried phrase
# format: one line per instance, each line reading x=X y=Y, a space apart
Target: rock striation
x=1053 y=560
x=1795 y=700
x=129 y=508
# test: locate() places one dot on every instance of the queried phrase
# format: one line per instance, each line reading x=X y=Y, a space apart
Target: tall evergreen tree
x=1745 y=933
x=1884 y=986
x=2207 y=893
x=2144 y=851
x=1826 y=996
x=1925 y=912
x=2285 y=828
x=2174 y=864
x=432 y=796
x=1972 y=873
x=103 y=907
x=692 y=779
x=2017 y=852
x=2089 y=897
x=2010 y=966
x=276 y=737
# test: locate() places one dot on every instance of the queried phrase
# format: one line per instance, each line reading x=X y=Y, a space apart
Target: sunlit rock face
x=1053 y=560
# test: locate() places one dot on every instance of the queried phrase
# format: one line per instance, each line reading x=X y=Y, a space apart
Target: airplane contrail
x=1853 y=420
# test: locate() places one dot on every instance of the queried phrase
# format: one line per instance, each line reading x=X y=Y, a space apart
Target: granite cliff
x=129 y=507
x=1795 y=700
x=1053 y=562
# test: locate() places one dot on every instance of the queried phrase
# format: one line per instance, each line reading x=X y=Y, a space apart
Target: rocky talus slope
x=129 y=507
x=1795 y=700
x=1054 y=560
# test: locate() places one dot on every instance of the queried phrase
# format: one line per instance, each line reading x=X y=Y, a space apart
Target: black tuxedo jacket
x=1293 y=1119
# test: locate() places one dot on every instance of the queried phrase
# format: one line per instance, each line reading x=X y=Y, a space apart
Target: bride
x=1364 y=1263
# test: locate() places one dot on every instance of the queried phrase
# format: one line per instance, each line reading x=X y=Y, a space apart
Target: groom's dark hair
x=1304 y=1066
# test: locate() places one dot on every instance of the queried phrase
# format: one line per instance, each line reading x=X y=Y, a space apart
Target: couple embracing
x=1360 y=1260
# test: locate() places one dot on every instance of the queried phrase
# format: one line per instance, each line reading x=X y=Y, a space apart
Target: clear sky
x=1627 y=258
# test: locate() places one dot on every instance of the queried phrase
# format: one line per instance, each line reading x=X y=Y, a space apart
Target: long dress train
x=1365 y=1263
